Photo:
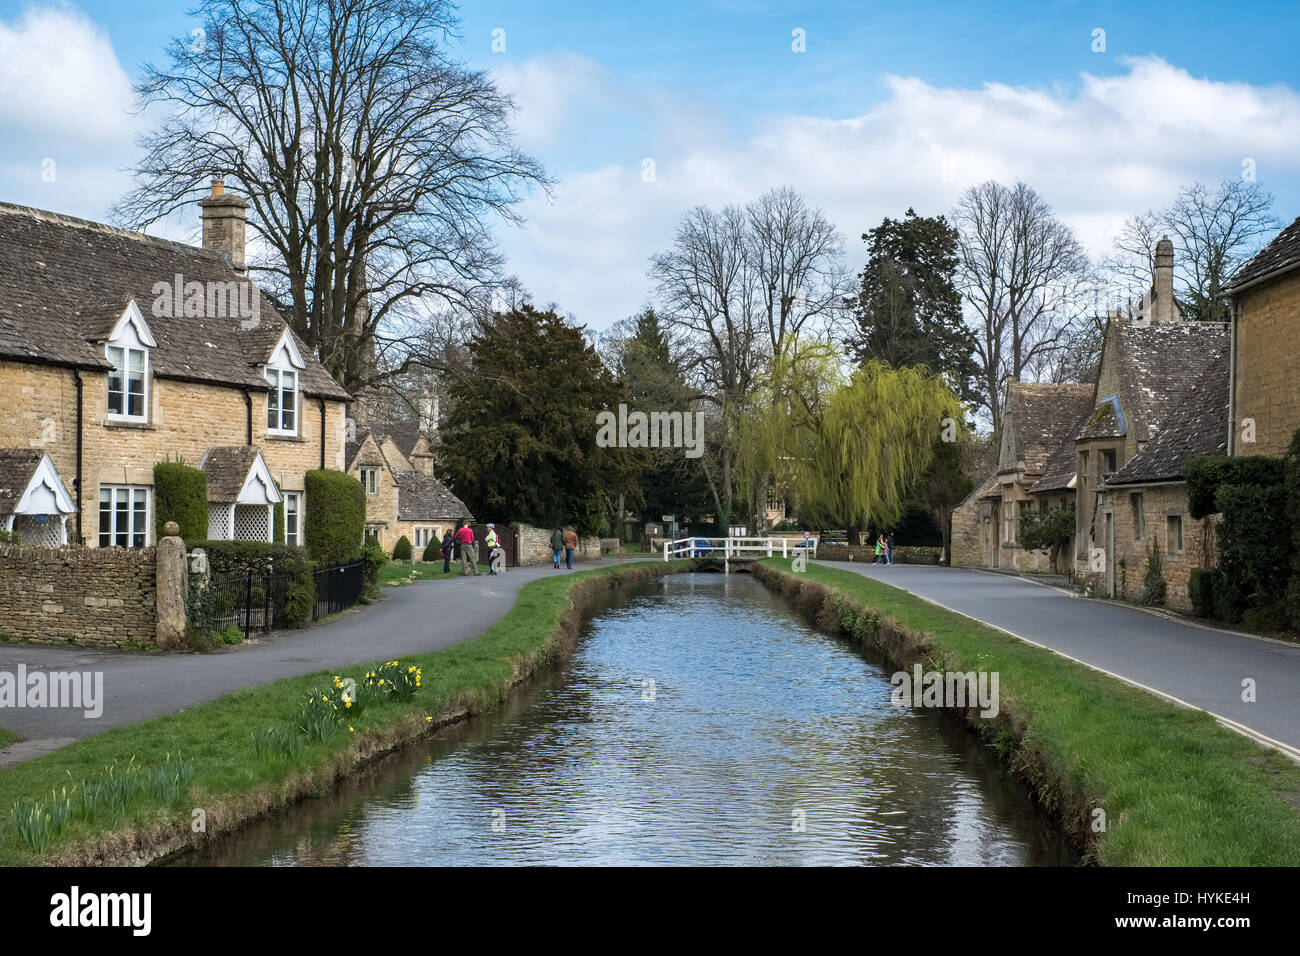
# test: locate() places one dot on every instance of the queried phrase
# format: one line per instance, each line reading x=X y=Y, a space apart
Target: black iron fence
x=338 y=587
x=257 y=602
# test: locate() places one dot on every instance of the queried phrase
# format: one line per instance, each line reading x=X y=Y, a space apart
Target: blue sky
x=891 y=105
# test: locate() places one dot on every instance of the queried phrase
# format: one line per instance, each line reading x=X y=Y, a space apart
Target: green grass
x=235 y=770
x=1176 y=787
x=400 y=572
x=6 y=737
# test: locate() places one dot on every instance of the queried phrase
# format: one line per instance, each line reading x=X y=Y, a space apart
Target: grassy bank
x=243 y=754
x=6 y=737
x=403 y=572
x=1176 y=788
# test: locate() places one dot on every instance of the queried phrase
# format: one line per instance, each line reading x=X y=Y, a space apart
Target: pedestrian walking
x=557 y=546
x=889 y=547
x=880 y=549
x=468 y=549
x=496 y=553
x=570 y=543
x=448 y=548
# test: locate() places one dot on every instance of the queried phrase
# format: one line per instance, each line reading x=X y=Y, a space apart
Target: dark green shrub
x=375 y=560
x=336 y=516
x=238 y=558
x=1254 y=545
x=1270 y=616
x=1205 y=476
x=1200 y=590
x=1153 y=582
x=433 y=551
x=181 y=495
x=402 y=550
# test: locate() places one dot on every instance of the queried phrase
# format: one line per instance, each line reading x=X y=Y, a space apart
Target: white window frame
x=275 y=378
x=296 y=498
x=131 y=532
x=372 y=485
x=130 y=335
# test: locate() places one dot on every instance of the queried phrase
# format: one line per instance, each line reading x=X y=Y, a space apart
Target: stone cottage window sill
x=293 y=438
x=138 y=426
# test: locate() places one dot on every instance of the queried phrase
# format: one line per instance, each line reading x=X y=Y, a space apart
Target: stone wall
x=1158 y=504
x=968 y=547
x=185 y=420
x=100 y=597
x=1268 y=366
x=535 y=545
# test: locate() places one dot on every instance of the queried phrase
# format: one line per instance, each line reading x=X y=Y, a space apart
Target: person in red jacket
x=468 y=549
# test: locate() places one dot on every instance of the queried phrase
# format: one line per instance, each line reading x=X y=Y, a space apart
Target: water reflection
x=698 y=723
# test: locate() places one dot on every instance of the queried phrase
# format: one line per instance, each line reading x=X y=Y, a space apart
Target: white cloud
x=1098 y=151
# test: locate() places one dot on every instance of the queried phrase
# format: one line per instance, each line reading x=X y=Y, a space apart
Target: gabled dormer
x=126 y=348
x=282 y=372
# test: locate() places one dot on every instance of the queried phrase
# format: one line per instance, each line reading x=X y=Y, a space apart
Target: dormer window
x=282 y=404
x=127 y=351
x=282 y=375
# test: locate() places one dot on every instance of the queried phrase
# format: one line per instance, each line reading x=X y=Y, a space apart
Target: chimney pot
x=218 y=187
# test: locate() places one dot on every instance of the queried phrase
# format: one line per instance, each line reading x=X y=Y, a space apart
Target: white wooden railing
x=738 y=547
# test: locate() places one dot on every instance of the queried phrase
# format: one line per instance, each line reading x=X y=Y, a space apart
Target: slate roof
x=227 y=468
x=1199 y=427
x=1283 y=253
x=423 y=498
x=16 y=468
x=1060 y=469
x=1105 y=421
x=64 y=281
x=1159 y=363
x=1043 y=414
x=990 y=487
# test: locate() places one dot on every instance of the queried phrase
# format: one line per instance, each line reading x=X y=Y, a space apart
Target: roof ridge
x=59 y=218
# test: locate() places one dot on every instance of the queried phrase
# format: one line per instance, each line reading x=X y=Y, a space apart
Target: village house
x=986 y=524
x=120 y=350
x=1158 y=400
x=394 y=463
x=1265 y=364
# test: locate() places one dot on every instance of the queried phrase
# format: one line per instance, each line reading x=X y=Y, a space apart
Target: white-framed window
x=370 y=480
x=123 y=516
x=282 y=401
x=292 y=518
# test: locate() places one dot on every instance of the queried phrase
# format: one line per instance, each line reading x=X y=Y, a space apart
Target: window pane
x=105 y=517
x=286 y=414
x=122 y=520
x=115 y=382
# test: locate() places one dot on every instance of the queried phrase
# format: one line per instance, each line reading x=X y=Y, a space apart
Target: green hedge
x=1200 y=590
x=336 y=516
x=232 y=559
x=1254 y=547
x=1206 y=475
x=180 y=494
x=402 y=550
x=433 y=551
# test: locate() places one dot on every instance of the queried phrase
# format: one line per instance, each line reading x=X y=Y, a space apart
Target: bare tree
x=373 y=163
x=734 y=285
x=1023 y=275
x=1130 y=267
x=1215 y=230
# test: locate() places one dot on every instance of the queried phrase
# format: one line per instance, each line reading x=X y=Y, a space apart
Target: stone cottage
x=120 y=350
x=1265 y=364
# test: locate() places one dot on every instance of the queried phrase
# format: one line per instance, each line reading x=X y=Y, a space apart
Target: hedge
x=1254 y=546
x=1206 y=475
x=336 y=516
x=180 y=494
x=433 y=551
x=402 y=550
x=1200 y=590
x=233 y=559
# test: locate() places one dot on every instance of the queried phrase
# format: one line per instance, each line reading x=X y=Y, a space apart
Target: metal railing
x=255 y=602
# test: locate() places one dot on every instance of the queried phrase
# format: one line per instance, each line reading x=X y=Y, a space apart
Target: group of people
x=564 y=540
x=884 y=549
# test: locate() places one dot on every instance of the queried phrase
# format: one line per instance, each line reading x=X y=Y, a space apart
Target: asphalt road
x=421 y=617
x=1198 y=665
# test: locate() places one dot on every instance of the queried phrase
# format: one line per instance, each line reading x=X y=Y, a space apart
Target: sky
x=866 y=108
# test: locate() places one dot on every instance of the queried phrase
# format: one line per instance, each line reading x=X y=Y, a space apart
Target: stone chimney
x=428 y=412
x=224 y=221
x=1163 y=309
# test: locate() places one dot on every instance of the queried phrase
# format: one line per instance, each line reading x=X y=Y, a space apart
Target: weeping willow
x=875 y=439
x=776 y=429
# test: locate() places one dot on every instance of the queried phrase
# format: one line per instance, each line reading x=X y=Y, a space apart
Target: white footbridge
x=739 y=549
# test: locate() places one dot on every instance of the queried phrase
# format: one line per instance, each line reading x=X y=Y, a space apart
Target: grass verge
x=1175 y=788
x=6 y=737
x=241 y=756
x=403 y=572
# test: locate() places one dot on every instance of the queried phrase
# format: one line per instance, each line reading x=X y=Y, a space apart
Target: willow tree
x=776 y=429
x=876 y=438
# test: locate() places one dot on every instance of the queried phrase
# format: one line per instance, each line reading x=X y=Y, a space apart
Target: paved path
x=417 y=618
x=1197 y=665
